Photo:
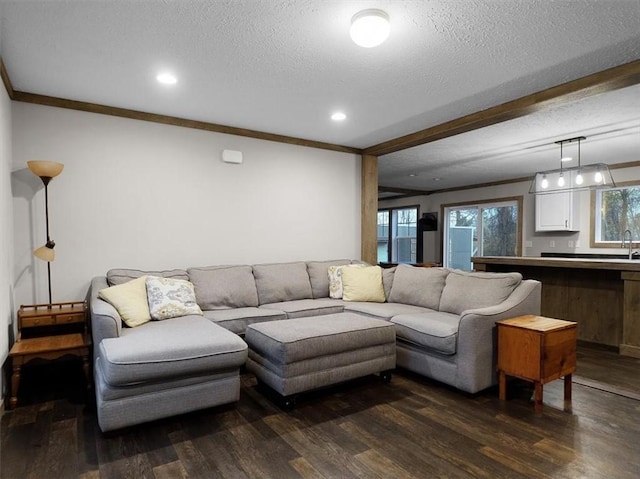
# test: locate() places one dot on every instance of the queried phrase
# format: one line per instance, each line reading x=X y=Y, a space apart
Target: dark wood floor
x=411 y=427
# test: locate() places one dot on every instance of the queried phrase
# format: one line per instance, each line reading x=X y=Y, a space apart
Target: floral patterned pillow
x=170 y=298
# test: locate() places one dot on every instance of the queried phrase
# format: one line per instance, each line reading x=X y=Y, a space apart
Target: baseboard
x=600 y=346
x=605 y=387
x=628 y=350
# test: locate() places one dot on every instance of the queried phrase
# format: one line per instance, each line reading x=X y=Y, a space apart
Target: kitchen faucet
x=624 y=238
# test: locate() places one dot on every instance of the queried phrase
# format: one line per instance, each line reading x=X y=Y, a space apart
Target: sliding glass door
x=486 y=229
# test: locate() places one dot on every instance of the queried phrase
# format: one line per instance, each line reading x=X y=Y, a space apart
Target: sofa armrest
x=105 y=320
x=477 y=341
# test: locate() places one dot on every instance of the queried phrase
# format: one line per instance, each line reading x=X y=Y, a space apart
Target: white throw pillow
x=170 y=298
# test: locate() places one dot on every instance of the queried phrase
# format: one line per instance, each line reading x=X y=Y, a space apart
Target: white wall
x=135 y=194
x=6 y=232
x=540 y=242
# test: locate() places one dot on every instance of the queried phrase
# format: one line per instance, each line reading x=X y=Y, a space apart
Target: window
x=397 y=237
x=614 y=211
x=481 y=229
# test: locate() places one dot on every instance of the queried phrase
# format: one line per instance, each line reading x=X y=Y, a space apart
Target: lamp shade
x=47 y=169
x=45 y=253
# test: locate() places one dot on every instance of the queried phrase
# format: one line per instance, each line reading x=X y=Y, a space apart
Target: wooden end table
x=537 y=349
x=46 y=331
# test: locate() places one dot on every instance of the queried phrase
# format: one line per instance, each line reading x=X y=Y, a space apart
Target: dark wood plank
x=411 y=427
x=175 y=121
x=607 y=80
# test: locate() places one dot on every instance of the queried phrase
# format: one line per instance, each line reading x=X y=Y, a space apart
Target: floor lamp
x=46 y=171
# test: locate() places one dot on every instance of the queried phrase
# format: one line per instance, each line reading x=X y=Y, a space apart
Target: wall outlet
x=528 y=244
x=552 y=244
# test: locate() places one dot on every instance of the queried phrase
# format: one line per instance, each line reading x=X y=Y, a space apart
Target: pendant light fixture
x=580 y=177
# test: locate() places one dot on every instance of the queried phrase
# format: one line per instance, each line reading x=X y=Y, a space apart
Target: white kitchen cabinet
x=557 y=212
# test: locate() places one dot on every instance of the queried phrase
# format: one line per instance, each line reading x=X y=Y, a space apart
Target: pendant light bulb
x=561 y=180
x=579 y=179
x=544 y=183
x=598 y=177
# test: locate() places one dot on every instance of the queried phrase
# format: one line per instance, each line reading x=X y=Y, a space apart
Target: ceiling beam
x=608 y=80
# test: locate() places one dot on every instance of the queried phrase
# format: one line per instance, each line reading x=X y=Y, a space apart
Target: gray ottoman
x=296 y=355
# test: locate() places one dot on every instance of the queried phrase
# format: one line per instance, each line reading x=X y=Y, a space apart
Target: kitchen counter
x=555 y=262
x=601 y=295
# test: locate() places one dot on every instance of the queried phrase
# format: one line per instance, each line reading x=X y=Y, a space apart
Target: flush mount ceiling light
x=581 y=177
x=166 y=79
x=369 y=28
x=338 y=116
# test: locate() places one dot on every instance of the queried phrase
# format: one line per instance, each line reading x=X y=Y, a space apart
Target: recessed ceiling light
x=413 y=174
x=369 y=28
x=338 y=116
x=437 y=179
x=167 y=79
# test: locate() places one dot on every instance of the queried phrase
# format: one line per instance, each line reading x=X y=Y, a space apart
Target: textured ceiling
x=518 y=148
x=284 y=66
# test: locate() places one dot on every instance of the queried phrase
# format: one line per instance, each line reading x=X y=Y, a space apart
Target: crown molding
x=6 y=80
x=404 y=193
x=175 y=121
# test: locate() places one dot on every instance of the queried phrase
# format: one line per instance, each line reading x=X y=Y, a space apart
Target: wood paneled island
x=601 y=295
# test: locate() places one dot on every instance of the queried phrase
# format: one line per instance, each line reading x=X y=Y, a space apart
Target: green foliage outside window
x=619 y=211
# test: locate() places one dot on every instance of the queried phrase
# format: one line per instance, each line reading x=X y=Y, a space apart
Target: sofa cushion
x=307 y=307
x=119 y=276
x=466 y=290
x=434 y=330
x=383 y=310
x=362 y=284
x=189 y=345
x=236 y=320
x=282 y=282
x=170 y=298
x=130 y=300
x=387 y=280
x=224 y=287
x=318 y=275
x=418 y=286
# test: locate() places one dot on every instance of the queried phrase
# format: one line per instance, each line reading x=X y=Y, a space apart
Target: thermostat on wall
x=232 y=156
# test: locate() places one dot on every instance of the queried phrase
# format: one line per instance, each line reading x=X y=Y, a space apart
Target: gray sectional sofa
x=444 y=322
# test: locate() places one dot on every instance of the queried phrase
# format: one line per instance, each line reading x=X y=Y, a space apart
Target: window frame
x=519 y=201
x=390 y=238
x=594 y=217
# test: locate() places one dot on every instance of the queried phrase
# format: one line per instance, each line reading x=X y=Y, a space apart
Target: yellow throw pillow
x=130 y=299
x=363 y=284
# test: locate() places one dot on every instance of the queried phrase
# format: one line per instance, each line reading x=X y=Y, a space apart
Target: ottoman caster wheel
x=386 y=376
x=289 y=402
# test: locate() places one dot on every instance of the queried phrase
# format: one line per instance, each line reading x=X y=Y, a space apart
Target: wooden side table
x=46 y=331
x=537 y=349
